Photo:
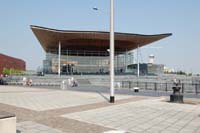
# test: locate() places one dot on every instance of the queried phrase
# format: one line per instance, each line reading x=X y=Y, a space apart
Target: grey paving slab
x=33 y=127
x=40 y=99
x=15 y=89
x=144 y=116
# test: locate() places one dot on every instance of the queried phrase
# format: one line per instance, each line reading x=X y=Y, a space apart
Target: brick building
x=11 y=62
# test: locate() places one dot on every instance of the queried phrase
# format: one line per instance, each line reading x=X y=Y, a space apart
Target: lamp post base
x=112 y=99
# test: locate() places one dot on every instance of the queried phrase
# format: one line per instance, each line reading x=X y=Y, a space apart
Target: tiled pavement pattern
x=33 y=127
x=17 y=97
x=145 y=116
x=19 y=89
x=42 y=100
x=41 y=110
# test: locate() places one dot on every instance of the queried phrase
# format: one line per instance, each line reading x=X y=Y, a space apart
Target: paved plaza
x=47 y=99
x=79 y=110
x=145 y=116
x=33 y=127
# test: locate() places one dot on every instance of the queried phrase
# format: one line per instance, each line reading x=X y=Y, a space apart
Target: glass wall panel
x=86 y=62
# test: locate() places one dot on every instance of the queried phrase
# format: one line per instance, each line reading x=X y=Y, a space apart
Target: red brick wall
x=11 y=62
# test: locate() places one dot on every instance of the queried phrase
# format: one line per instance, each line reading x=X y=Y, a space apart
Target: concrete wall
x=8 y=125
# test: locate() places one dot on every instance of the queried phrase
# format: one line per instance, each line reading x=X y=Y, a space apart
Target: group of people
x=27 y=81
x=72 y=82
x=3 y=79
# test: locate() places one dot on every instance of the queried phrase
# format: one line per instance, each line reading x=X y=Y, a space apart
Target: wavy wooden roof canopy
x=91 y=40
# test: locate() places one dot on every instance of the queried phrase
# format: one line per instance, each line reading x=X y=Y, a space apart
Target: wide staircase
x=96 y=80
x=47 y=80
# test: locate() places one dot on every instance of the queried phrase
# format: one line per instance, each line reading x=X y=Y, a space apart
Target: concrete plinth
x=176 y=98
x=7 y=123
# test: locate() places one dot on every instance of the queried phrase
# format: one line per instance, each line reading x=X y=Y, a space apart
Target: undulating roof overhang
x=91 y=40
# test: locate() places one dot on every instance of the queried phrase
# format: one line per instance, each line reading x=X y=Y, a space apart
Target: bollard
x=63 y=85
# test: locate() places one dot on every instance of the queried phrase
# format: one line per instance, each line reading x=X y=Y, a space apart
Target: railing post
x=145 y=85
x=155 y=86
x=196 y=89
x=129 y=84
x=166 y=86
x=182 y=87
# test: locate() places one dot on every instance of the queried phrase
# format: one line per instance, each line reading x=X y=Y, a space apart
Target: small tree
x=180 y=73
x=5 y=71
x=12 y=71
x=19 y=72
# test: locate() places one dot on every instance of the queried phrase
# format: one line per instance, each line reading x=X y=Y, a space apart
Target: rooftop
x=91 y=40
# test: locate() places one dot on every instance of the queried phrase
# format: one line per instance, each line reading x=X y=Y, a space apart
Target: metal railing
x=167 y=87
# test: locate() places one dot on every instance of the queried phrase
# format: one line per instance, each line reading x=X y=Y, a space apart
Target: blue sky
x=180 y=17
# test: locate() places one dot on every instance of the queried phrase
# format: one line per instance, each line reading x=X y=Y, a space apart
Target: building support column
x=117 y=62
x=126 y=61
x=138 y=63
x=132 y=58
x=112 y=48
x=59 y=54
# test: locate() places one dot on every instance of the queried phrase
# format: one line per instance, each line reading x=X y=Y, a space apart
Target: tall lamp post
x=112 y=48
x=111 y=51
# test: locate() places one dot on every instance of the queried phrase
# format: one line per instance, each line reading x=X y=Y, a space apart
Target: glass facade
x=86 y=62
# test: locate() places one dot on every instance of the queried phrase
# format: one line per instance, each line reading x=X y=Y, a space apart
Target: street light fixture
x=95 y=8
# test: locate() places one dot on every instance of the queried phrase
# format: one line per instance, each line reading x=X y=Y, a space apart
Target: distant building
x=169 y=70
x=148 y=68
x=11 y=62
x=155 y=69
